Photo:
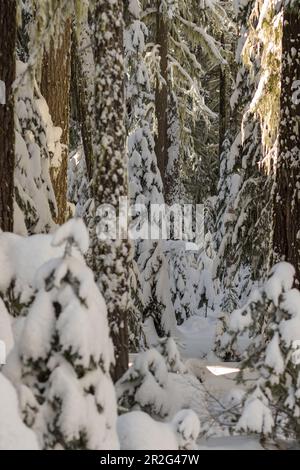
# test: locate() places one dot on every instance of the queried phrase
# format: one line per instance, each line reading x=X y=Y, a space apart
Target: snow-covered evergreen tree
x=80 y=164
x=179 y=30
x=110 y=259
x=14 y=434
x=66 y=354
x=136 y=336
x=145 y=184
x=223 y=191
x=169 y=351
x=38 y=141
x=271 y=405
x=159 y=310
x=160 y=384
x=178 y=434
x=180 y=273
x=229 y=303
x=37 y=147
x=78 y=182
x=244 y=202
x=145 y=385
x=206 y=289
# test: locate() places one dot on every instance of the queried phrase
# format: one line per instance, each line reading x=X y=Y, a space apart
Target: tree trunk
x=161 y=94
x=111 y=258
x=55 y=87
x=172 y=187
x=83 y=92
x=287 y=198
x=8 y=34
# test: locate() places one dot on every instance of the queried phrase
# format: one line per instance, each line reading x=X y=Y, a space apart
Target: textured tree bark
x=223 y=104
x=55 y=87
x=172 y=188
x=8 y=32
x=111 y=258
x=83 y=101
x=287 y=193
x=161 y=95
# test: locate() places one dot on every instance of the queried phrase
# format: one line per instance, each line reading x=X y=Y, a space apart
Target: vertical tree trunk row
x=161 y=94
x=55 y=87
x=287 y=194
x=112 y=258
x=8 y=32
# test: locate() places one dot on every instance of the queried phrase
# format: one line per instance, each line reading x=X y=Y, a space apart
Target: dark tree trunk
x=8 y=35
x=111 y=258
x=55 y=87
x=161 y=94
x=172 y=188
x=287 y=194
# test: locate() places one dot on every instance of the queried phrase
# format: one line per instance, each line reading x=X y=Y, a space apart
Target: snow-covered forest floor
x=178 y=379
x=149 y=224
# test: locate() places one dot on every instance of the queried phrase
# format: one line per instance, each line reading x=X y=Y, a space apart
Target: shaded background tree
x=55 y=87
x=287 y=164
x=111 y=258
x=8 y=36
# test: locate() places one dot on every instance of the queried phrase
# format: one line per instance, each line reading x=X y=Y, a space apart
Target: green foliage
x=271 y=405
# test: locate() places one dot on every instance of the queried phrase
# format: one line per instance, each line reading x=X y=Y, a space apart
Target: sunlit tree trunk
x=55 y=87
x=287 y=193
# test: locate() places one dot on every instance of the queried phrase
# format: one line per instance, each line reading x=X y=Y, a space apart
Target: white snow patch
x=75 y=230
x=281 y=279
x=6 y=334
x=14 y=435
x=2 y=92
x=138 y=431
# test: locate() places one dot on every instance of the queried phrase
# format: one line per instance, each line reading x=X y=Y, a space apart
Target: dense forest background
x=175 y=102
